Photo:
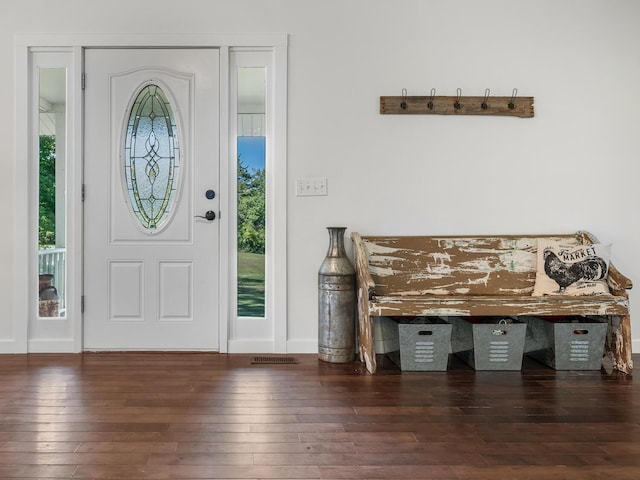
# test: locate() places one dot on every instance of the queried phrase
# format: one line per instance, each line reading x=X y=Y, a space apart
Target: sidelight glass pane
x=51 y=193
x=251 y=188
x=151 y=157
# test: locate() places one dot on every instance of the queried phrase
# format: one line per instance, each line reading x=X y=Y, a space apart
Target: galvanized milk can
x=49 y=300
x=336 y=302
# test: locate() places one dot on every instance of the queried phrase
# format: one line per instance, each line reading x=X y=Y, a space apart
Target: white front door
x=151 y=246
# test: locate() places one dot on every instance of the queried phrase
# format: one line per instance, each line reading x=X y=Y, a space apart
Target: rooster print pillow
x=572 y=270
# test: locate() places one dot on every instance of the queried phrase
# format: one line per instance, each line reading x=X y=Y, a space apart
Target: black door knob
x=209 y=215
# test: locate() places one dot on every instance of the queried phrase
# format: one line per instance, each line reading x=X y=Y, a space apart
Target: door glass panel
x=251 y=145
x=151 y=158
x=51 y=193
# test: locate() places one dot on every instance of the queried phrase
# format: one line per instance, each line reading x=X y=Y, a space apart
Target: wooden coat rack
x=513 y=106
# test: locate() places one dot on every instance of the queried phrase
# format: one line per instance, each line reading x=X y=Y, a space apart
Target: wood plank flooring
x=210 y=416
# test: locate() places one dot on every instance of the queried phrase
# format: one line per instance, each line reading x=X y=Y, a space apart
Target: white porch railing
x=52 y=260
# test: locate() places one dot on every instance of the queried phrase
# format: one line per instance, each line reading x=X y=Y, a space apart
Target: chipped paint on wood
x=491 y=264
x=464 y=276
x=381 y=271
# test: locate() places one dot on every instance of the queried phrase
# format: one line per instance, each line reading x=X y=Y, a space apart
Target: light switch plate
x=309 y=187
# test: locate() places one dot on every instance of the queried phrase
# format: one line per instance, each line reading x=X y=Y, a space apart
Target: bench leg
x=366 y=342
x=617 y=348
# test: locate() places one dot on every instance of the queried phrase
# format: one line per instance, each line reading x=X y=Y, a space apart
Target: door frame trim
x=22 y=246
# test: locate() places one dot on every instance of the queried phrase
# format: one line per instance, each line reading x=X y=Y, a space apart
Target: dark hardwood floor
x=209 y=416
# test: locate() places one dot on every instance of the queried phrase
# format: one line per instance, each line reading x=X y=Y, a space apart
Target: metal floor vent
x=273 y=360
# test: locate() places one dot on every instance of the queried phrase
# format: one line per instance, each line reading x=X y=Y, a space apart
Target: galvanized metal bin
x=573 y=343
x=489 y=343
x=425 y=343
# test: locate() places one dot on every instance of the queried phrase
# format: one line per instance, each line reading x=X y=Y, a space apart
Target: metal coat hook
x=512 y=104
x=457 y=105
x=431 y=97
x=484 y=105
x=403 y=104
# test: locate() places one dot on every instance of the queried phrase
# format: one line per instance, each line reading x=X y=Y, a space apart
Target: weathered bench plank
x=474 y=276
x=433 y=306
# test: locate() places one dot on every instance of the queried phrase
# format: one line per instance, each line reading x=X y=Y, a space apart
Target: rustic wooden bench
x=475 y=276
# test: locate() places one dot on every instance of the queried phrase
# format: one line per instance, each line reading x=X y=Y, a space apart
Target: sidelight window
x=251 y=190
x=257 y=147
x=51 y=193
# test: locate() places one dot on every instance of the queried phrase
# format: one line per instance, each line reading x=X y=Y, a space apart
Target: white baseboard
x=55 y=345
x=635 y=345
x=8 y=346
x=250 y=346
x=267 y=346
x=302 y=345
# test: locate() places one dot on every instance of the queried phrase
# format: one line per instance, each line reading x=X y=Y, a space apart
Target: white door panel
x=152 y=286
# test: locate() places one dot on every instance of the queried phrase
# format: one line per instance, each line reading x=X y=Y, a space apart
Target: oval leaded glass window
x=151 y=157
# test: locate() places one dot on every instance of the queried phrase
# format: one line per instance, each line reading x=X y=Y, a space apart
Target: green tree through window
x=251 y=240
x=251 y=209
x=47 y=201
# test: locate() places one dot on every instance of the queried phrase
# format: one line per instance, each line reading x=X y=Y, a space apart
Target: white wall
x=574 y=166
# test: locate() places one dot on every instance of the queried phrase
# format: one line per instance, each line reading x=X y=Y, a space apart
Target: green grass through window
x=251 y=267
